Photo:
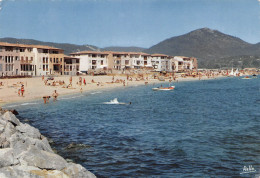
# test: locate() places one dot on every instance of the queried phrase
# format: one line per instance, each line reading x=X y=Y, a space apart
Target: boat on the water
x=163 y=88
x=246 y=77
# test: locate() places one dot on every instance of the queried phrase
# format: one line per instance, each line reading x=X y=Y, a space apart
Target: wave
x=95 y=92
x=67 y=98
x=11 y=106
x=16 y=105
x=25 y=104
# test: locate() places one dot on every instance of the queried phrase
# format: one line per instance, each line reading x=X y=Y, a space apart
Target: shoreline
x=10 y=96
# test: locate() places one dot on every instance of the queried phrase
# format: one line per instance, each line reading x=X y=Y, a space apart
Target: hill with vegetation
x=211 y=47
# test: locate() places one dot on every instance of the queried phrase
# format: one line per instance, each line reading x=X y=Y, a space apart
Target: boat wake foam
x=114 y=101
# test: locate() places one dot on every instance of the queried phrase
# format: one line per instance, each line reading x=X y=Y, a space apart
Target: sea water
x=200 y=129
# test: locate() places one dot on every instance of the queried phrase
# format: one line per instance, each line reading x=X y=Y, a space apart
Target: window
x=55 y=52
x=8 y=49
x=22 y=49
x=16 y=58
x=101 y=62
x=31 y=58
x=102 y=56
x=50 y=59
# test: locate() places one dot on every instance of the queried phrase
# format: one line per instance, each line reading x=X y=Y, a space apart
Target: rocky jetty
x=26 y=153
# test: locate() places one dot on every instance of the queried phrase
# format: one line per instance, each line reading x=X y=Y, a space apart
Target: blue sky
x=140 y=23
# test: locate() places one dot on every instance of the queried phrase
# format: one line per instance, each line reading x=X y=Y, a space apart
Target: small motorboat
x=163 y=88
x=155 y=89
x=246 y=77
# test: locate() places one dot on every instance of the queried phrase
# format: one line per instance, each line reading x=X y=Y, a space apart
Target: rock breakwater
x=26 y=153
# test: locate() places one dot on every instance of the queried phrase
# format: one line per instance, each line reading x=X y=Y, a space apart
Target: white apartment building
x=71 y=65
x=183 y=63
x=92 y=60
x=161 y=62
x=140 y=60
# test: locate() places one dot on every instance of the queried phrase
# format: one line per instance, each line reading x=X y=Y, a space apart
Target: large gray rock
x=21 y=143
x=11 y=118
x=27 y=153
x=2 y=121
x=30 y=172
x=8 y=131
x=12 y=171
x=77 y=171
x=29 y=131
x=7 y=157
x=42 y=159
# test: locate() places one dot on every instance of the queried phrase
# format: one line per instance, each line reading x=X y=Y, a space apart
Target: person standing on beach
x=22 y=90
x=55 y=95
x=80 y=81
x=71 y=80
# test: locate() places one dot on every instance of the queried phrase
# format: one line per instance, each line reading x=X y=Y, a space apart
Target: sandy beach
x=35 y=88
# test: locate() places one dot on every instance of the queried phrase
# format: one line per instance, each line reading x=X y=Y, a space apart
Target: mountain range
x=212 y=48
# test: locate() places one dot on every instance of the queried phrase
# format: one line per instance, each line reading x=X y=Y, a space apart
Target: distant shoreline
x=35 y=88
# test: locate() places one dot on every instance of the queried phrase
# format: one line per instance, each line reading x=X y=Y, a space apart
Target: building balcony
x=26 y=61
